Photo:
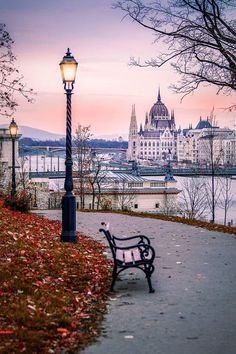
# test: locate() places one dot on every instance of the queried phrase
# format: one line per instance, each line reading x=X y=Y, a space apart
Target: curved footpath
x=193 y=310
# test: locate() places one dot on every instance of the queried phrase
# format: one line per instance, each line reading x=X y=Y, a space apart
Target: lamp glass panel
x=68 y=71
x=13 y=129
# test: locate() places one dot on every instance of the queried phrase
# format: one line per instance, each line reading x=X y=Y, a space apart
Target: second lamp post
x=13 y=129
x=68 y=67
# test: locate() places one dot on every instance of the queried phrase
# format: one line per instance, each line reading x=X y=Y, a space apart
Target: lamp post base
x=69 y=218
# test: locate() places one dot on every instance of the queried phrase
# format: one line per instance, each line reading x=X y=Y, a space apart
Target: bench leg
x=148 y=271
x=114 y=276
x=151 y=290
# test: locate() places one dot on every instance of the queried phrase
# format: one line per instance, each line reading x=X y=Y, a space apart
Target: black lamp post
x=13 y=128
x=68 y=67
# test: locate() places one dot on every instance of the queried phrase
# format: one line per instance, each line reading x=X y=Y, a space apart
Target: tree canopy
x=197 y=37
x=11 y=81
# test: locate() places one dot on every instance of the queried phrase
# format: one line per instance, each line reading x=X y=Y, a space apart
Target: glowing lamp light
x=68 y=67
x=13 y=128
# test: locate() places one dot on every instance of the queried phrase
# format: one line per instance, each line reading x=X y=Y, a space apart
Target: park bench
x=130 y=252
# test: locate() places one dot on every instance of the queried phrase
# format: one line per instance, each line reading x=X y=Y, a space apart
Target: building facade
x=206 y=143
x=157 y=139
x=121 y=191
x=6 y=157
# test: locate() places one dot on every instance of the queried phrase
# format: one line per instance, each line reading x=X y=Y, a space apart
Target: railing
x=47 y=174
x=230 y=171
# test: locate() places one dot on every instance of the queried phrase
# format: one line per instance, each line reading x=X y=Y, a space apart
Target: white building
x=194 y=144
x=6 y=146
x=6 y=156
x=121 y=191
x=157 y=141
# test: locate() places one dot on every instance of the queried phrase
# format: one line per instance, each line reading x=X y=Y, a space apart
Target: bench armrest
x=142 y=239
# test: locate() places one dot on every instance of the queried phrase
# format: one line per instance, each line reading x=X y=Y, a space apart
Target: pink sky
x=106 y=87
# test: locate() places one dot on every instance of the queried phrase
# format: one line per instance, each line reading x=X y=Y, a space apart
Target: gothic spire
x=159 y=95
x=133 y=114
x=133 y=127
x=141 y=129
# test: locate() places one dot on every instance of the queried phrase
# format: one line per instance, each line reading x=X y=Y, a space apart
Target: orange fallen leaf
x=63 y=331
x=7 y=331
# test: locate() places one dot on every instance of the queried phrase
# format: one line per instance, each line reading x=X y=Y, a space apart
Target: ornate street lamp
x=68 y=67
x=13 y=128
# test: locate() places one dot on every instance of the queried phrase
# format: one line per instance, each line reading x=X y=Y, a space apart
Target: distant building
x=157 y=139
x=6 y=156
x=117 y=191
x=6 y=146
x=121 y=191
x=193 y=144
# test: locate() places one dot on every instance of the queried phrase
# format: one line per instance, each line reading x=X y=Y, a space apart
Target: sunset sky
x=106 y=86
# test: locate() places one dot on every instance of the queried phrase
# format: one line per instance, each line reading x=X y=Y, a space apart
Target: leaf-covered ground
x=52 y=294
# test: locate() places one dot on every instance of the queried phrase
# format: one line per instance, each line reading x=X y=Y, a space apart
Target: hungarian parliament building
x=158 y=140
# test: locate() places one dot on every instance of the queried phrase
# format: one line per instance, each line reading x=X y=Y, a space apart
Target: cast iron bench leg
x=114 y=276
x=148 y=271
x=151 y=290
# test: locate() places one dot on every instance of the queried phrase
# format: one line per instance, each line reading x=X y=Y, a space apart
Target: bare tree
x=23 y=174
x=96 y=178
x=226 y=196
x=11 y=81
x=123 y=196
x=193 y=203
x=211 y=145
x=83 y=160
x=168 y=206
x=198 y=37
x=212 y=192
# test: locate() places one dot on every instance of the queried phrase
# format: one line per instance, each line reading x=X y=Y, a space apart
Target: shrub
x=20 y=202
x=105 y=204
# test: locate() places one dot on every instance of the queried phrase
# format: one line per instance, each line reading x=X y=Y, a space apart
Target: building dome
x=203 y=124
x=159 y=109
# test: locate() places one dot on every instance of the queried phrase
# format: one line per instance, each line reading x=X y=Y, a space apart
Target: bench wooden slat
x=136 y=254
x=120 y=255
x=128 y=256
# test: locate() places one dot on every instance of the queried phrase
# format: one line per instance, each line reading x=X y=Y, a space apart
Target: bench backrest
x=109 y=237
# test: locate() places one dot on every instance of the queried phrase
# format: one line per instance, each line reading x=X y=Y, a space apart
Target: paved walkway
x=193 y=310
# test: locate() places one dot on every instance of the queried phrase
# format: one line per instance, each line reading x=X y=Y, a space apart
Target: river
x=43 y=163
x=219 y=212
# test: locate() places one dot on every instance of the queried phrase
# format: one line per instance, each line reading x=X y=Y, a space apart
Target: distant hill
x=36 y=134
